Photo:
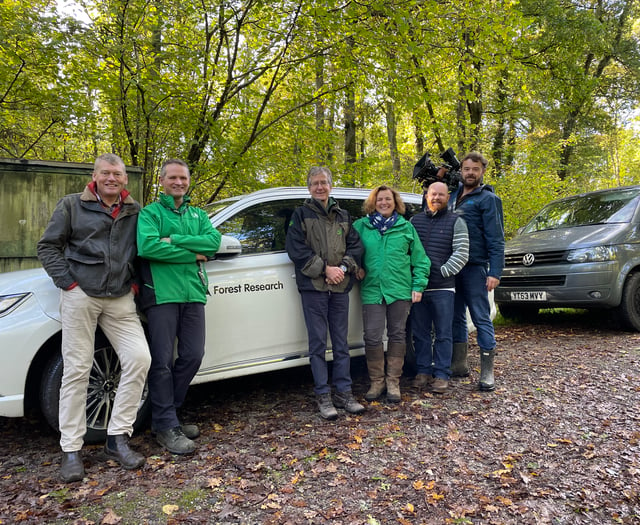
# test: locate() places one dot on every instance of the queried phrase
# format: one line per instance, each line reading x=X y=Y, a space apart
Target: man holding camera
x=482 y=212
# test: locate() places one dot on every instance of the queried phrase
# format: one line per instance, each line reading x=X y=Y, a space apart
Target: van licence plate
x=528 y=296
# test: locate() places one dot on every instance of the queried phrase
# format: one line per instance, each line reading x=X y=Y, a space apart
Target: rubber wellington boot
x=487 y=383
x=459 y=366
x=375 y=366
x=395 y=362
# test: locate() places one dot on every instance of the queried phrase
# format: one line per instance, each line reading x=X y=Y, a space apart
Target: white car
x=254 y=316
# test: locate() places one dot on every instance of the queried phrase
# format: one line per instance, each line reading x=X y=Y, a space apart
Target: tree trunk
x=392 y=138
x=419 y=136
x=350 y=154
x=320 y=112
x=499 y=138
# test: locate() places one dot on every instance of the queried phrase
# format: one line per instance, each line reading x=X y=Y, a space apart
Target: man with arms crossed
x=174 y=241
x=88 y=249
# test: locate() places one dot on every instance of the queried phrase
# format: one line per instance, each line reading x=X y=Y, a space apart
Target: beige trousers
x=120 y=323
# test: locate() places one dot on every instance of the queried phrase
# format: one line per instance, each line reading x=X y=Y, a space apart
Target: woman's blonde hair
x=369 y=205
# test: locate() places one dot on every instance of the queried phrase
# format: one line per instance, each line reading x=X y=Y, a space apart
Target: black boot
x=117 y=448
x=459 y=366
x=487 y=383
x=71 y=467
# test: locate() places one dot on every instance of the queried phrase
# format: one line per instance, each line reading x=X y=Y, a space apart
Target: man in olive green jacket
x=325 y=250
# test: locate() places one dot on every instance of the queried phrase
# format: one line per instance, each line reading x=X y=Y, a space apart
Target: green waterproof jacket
x=169 y=271
x=395 y=263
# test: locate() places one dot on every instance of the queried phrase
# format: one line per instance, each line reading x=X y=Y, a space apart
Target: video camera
x=427 y=172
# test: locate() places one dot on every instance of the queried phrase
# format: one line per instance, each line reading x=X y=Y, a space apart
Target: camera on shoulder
x=448 y=172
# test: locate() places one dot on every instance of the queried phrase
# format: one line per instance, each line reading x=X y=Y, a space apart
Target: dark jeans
x=471 y=292
x=169 y=380
x=322 y=311
x=435 y=310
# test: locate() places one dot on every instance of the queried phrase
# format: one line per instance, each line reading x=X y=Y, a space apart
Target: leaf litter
x=558 y=442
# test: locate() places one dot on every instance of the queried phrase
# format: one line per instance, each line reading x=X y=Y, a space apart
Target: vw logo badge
x=528 y=259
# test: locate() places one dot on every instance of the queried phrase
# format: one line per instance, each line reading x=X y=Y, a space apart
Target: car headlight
x=9 y=302
x=593 y=254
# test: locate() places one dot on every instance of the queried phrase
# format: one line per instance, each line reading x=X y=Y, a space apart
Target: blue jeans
x=435 y=309
x=471 y=292
x=169 y=380
x=322 y=311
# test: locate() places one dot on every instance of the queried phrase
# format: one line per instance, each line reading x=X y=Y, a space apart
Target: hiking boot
x=325 y=406
x=190 y=431
x=348 y=402
x=71 y=467
x=117 y=448
x=439 y=386
x=174 y=440
x=422 y=381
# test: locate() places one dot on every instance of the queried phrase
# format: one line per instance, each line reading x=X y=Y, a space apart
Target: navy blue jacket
x=482 y=211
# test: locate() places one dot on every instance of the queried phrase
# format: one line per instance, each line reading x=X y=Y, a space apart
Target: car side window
x=354 y=207
x=411 y=209
x=261 y=228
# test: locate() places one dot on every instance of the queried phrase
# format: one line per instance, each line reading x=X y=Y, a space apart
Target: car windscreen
x=216 y=207
x=583 y=210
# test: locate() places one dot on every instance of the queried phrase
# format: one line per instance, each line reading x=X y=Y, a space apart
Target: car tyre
x=103 y=384
x=518 y=312
x=629 y=309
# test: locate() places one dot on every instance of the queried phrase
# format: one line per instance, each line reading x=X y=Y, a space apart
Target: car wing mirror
x=229 y=247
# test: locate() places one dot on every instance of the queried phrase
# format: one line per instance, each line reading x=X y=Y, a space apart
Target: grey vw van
x=577 y=252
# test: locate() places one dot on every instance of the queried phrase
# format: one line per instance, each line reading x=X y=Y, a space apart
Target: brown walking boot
x=375 y=366
x=395 y=362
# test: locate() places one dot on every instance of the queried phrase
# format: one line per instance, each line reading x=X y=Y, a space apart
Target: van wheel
x=629 y=309
x=518 y=312
x=103 y=385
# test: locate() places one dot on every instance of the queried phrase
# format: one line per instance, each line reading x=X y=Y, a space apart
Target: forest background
x=251 y=93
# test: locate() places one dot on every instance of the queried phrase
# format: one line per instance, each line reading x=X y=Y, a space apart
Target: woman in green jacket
x=394 y=274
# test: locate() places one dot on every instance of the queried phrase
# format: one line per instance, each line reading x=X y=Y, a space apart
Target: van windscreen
x=594 y=208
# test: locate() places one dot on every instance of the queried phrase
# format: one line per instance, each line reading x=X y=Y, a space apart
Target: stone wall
x=29 y=191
